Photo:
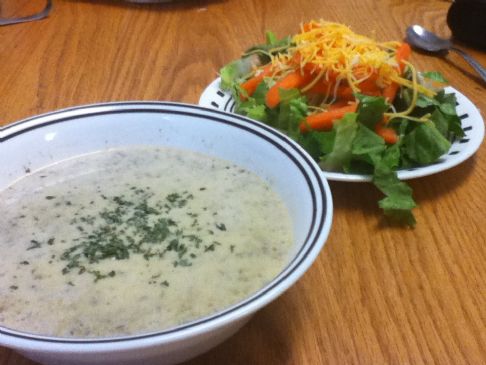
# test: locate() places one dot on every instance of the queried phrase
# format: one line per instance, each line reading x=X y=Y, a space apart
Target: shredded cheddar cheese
x=336 y=48
x=338 y=58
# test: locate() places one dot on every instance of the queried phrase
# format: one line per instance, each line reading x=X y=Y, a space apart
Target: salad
x=355 y=104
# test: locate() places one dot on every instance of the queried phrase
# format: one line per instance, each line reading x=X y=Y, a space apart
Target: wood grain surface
x=377 y=294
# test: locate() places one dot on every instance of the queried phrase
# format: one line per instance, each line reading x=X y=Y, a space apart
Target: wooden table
x=377 y=294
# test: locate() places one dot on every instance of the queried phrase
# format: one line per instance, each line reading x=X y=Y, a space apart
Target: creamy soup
x=135 y=240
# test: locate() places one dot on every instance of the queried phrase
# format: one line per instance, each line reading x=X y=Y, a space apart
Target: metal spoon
x=421 y=38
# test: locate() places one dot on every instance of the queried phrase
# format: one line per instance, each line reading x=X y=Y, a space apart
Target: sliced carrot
x=312 y=68
x=369 y=84
x=403 y=53
x=338 y=105
x=307 y=27
x=390 y=92
x=251 y=84
x=345 y=93
x=388 y=134
x=321 y=87
x=293 y=80
x=324 y=121
x=365 y=88
x=296 y=59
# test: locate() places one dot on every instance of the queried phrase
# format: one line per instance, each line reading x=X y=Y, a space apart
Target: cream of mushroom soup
x=135 y=240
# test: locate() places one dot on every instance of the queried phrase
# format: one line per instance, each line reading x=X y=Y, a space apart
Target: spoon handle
x=474 y=64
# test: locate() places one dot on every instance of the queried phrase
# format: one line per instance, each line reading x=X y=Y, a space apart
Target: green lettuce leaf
x=253 y=107
x=261 y=92
x=447 y=102
x=441 y=123
x=366 y=145
x=257 y=112
x=235 y=71
x=371 y=109
x=340 y=156
x=391 y=157
x=272 y=46
x=292 y=110
x=434 y=76
x=398 y=202
x=424 y=101
x=455 y=126
x=317 y=144
x=425 y=144
x=367 y=142
x=447 y=105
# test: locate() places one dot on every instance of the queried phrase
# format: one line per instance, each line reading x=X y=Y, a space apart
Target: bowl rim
x=318 y=231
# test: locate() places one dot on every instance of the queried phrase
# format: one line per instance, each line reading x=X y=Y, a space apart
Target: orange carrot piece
x=307 y=27
x=321 y=87
x=388 y=134
x=251 y=84
x=324 y=121
x=390 y=92
x=403 y=53
x=369 y=85
x=293 y=80
x=338 y=105
x=345 y=92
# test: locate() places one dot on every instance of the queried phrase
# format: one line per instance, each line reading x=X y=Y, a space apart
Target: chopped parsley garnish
x=221 y=226
x=135 y=224
x=34 y=244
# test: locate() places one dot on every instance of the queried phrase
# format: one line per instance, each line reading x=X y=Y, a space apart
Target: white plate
x=472 y=124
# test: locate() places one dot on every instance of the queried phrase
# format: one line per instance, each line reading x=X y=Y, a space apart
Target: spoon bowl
x=422 y=39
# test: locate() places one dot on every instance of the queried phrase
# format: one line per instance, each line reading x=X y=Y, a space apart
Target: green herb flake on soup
x=135 y=240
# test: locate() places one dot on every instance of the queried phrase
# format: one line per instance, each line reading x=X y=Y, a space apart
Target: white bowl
x=36 y=142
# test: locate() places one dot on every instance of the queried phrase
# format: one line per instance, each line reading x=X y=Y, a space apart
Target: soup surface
x=135 y=240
